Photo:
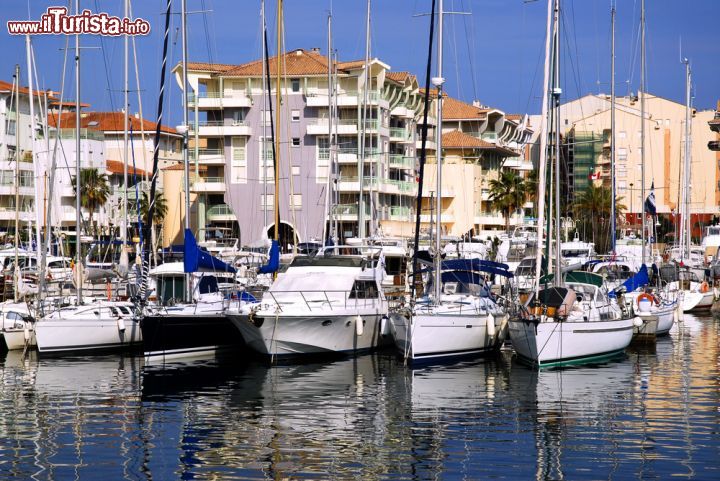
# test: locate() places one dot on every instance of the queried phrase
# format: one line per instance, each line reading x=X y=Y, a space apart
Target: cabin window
x=364 y=290
x=115 y=312
x=171 y=289
x=124 y=310
x=207 y=285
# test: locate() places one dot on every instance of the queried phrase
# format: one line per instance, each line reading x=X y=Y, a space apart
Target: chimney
x=476 y=103
x=137 y=115
x=315 y=50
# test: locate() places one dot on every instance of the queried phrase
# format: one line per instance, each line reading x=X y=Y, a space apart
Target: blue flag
x=650 y=206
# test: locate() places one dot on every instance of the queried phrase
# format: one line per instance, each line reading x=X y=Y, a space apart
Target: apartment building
x=232 y=132
x=231 y=161
x=102 y=141
x=586 y=123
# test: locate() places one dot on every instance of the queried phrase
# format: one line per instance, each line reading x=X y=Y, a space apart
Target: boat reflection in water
x=650 y=415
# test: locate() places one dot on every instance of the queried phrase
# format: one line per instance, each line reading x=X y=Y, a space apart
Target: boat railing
x=321 y=299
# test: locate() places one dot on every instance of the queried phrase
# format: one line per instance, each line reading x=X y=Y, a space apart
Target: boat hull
x=697 y=301
x=428 y=337
x=555 y=344
x=301 y=335
x=184 y=335
x=59 y=335
x=15 y=338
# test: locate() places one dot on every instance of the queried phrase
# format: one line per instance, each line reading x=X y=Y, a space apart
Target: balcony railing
x=399 y=161
x=397 y=211
x=219 y=211
x=86 y=134
x=399 y=133
x=206 y=153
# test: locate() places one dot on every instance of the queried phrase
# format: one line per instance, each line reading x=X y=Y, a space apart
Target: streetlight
x=631 y=198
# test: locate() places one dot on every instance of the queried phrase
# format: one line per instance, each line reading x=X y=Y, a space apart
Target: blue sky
x=494 y=54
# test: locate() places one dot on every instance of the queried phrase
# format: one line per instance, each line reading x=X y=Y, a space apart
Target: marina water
x=652 y=414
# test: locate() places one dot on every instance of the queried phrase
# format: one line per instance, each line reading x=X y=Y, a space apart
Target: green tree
x=592 y=209
x=507 y=194
x=159 y=214
x=94 y=193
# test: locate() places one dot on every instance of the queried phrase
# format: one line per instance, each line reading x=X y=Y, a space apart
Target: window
x=267 y=202
x=295 y=83
x=238 y=172
x=296 y=170
x=296 y=141
x=265 y=118
x=296 y=202
x=266 y=159
x=622 y=153
x=364 y=290
x=238 y=117
x=11 y=127
x=295 y=115
x=322 y=164
x=622 y=134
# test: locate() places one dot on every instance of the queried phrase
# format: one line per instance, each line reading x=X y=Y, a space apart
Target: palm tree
x=507 y=194
x=95 y=192
x=593 y=206
x=159 y=214
x=160 y=211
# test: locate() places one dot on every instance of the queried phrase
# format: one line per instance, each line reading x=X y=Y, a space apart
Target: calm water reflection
x=652 y=415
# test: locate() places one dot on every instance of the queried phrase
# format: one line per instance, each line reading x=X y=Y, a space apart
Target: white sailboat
x=88 y=325
x=460 y=318
x=572 y=321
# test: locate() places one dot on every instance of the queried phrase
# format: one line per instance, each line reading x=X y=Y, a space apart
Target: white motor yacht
x=18 y=326
x=330 y=303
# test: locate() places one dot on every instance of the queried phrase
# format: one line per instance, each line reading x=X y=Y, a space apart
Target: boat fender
x=121 y=324
x=359 y=325
x=384 y=329
x=704 y=287
x=26 y=334
x=491 y=326
x=637 y=322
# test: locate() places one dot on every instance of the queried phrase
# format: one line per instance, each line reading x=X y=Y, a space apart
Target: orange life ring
x=649 y=297
x=704 y=287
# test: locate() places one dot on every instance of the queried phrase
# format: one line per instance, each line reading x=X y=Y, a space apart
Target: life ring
x=649 y=297
x=704 y=287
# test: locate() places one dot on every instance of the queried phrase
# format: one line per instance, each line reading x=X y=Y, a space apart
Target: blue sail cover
x=273 y=261
x=638 y=280
x=197 y=260
x=473 y=265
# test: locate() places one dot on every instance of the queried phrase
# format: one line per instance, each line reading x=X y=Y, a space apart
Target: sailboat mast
x=38 y=201
x=438 y=82
x=17 y=170
x=363 y=127
x=78 y=214
x=613 y=214
x=544 y=137
x=327 y=224
x=276 y=198
x=687 y=167
x=186 y=160
x=123 y=223
x=642 y=125
x=556 y=101
x=264 y=115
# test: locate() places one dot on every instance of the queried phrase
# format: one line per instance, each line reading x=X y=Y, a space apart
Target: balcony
x=401 y=187
x=218 y=128
x=444 y=218
x=208 y=184
x=401 y=213
x=208 y=156
x=400 y=134
x=430 y=144
x=8 y=214
x=322 y=126
x=352 y=184
x=518 y=163
x=220 y=213
x=402 y=111
x=399 y=161
x=218 y=100
x=488 y=219
x=349 y=212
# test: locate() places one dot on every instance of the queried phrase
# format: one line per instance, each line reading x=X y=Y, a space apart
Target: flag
x=650 y=206
x=594 y=175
